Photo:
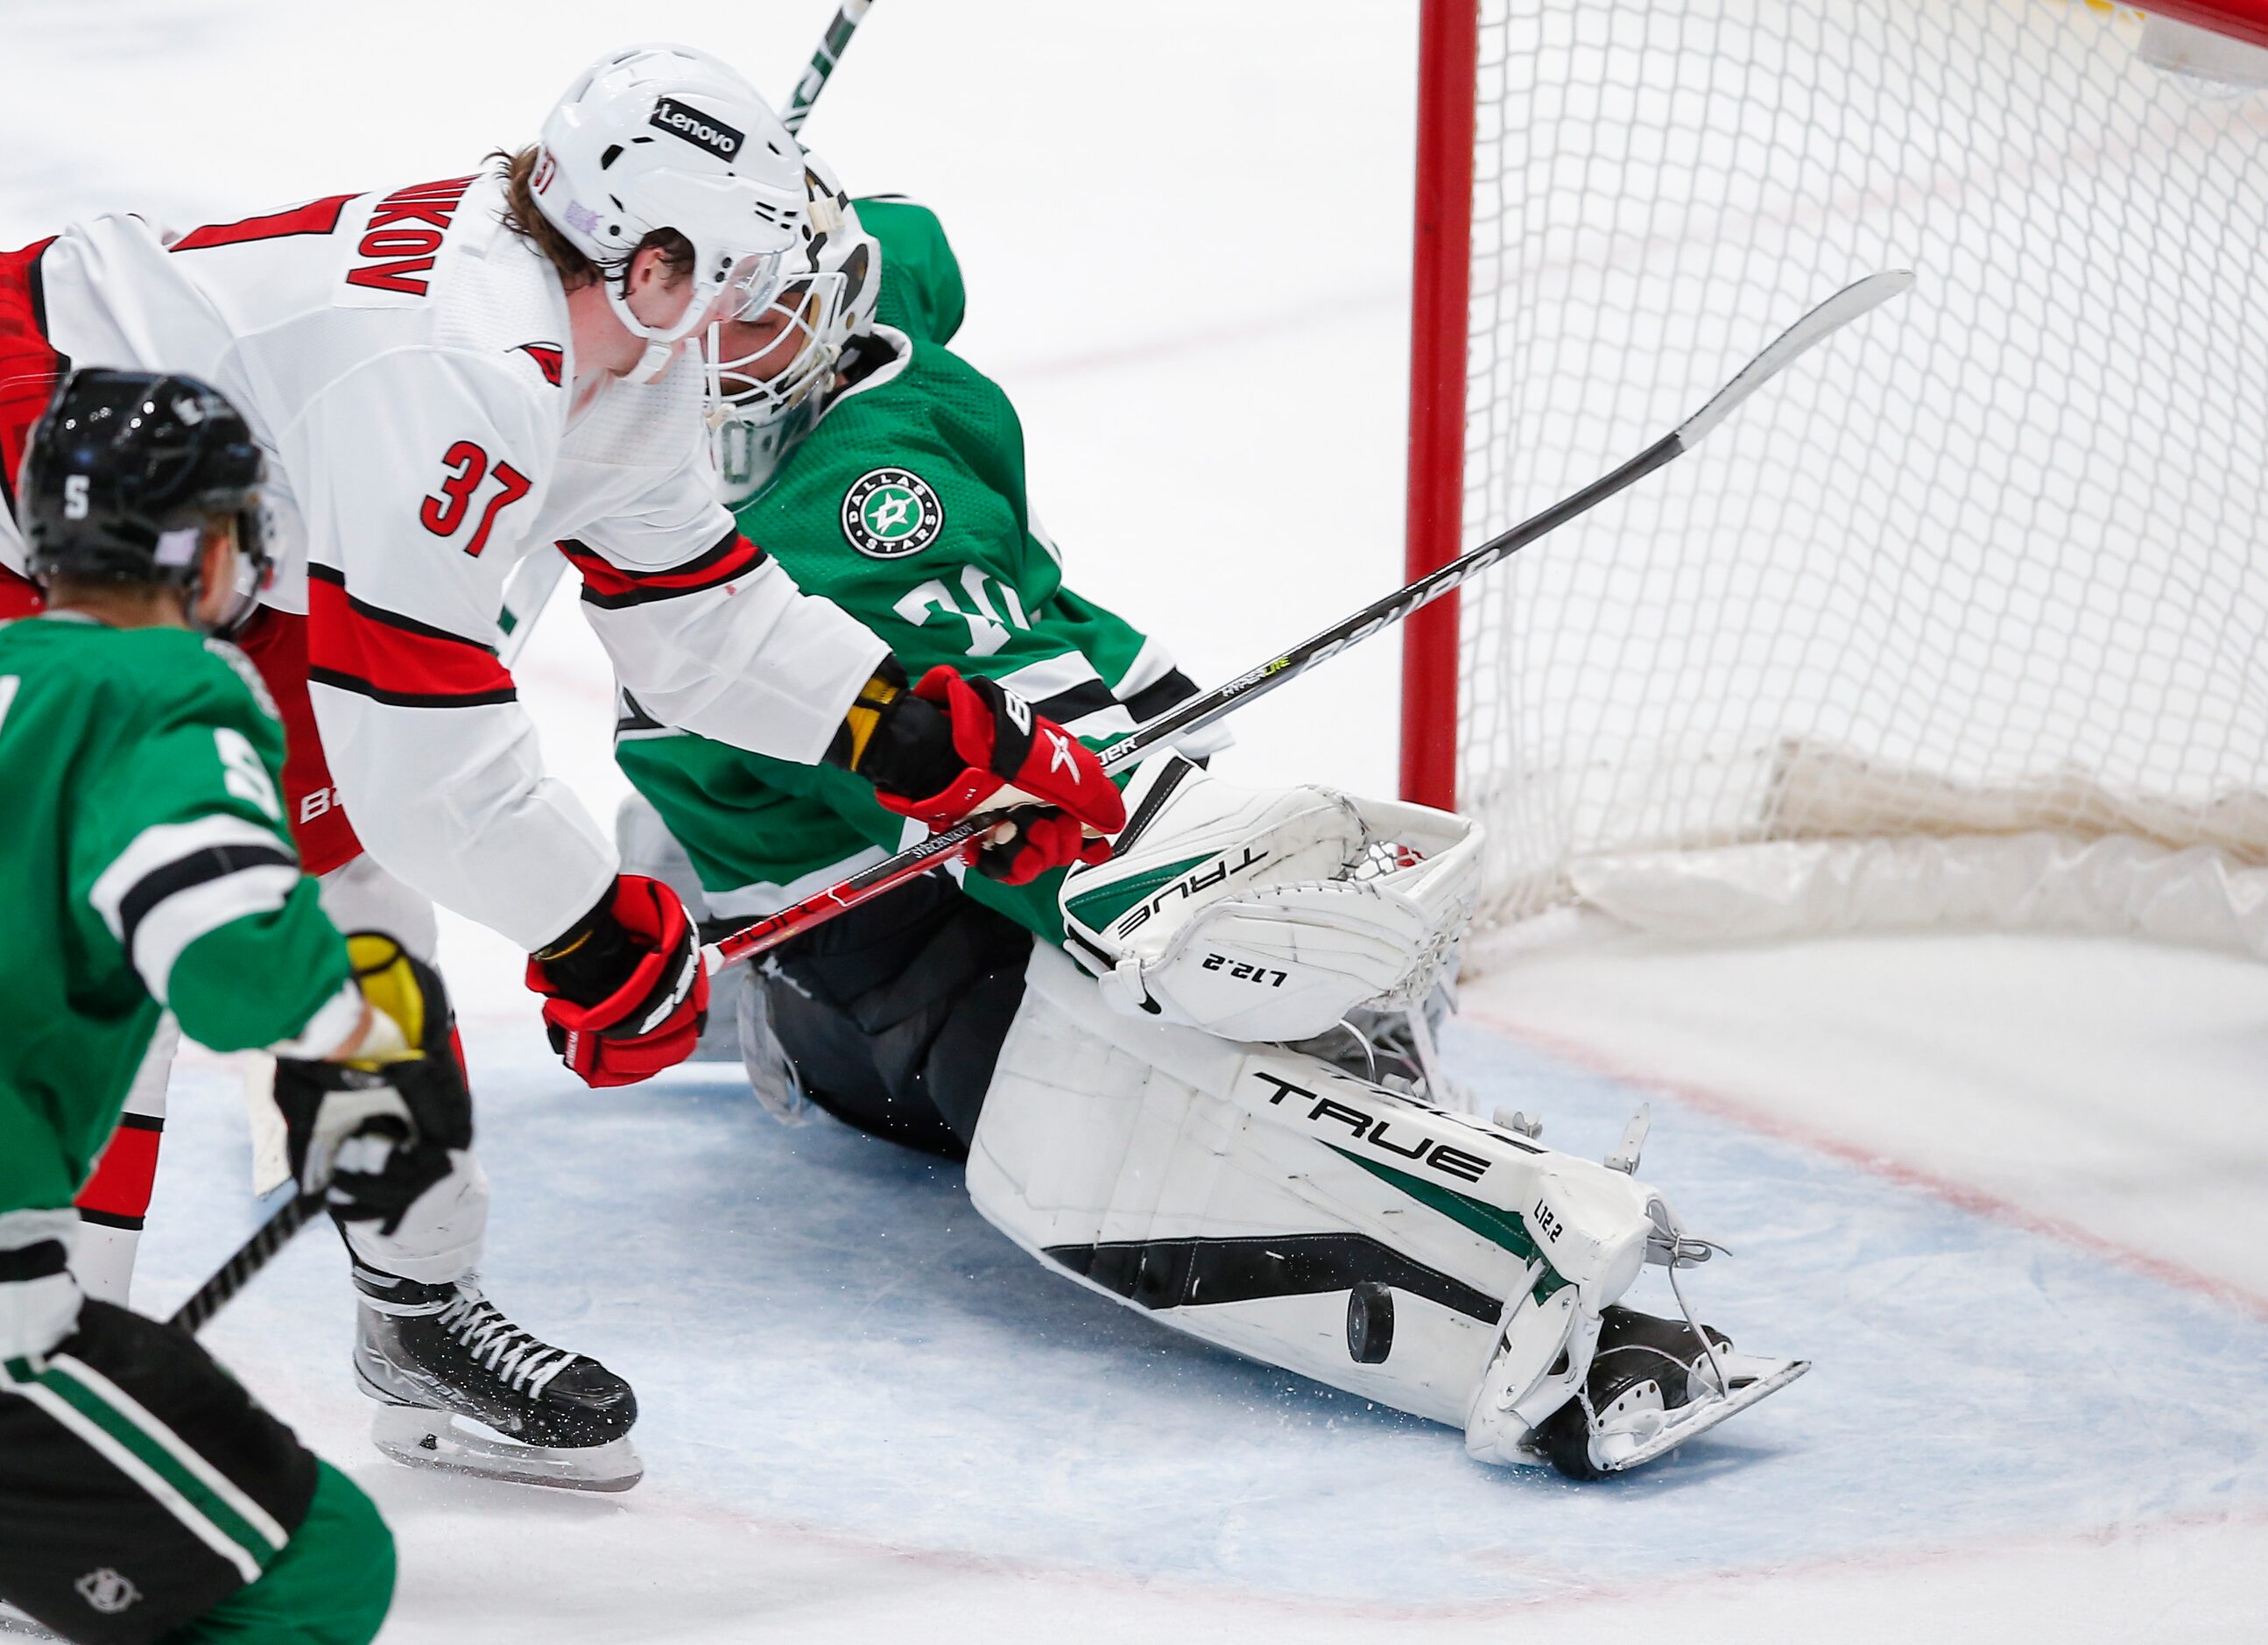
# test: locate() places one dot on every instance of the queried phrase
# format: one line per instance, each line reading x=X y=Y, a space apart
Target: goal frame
x=1448 y=58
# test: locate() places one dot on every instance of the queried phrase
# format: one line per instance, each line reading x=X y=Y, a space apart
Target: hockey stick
x=250 y=1256
x=1202 y=709
x=533 y=580
x=848 y=16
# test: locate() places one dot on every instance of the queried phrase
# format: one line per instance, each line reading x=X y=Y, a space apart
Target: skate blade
x=1618 y=1453
x=419 y=1438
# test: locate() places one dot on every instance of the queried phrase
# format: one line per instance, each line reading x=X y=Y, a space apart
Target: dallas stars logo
x=888 y=513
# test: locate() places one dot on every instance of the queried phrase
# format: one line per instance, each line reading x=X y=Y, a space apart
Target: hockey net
x=1965 y=619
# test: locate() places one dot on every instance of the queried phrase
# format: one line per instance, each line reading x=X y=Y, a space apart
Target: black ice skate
x=465 y=1388
x=1652 y=1385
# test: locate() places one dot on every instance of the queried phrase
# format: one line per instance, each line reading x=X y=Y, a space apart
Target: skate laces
x=523 y=1361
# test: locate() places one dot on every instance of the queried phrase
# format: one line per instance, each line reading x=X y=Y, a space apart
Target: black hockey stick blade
x=250 y=1256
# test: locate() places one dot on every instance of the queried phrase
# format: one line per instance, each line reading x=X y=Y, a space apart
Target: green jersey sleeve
x=922 y=294
x=147 y=866
x=180 y=863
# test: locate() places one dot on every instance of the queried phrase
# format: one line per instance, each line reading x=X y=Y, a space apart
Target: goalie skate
x=464 y=1390
x=1651 y=1387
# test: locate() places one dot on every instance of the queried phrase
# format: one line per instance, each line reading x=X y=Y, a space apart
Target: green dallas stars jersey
x=148 y=865
x=905 y=506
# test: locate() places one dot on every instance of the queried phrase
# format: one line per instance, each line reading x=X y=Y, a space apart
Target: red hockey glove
x=625 y=993
x=1043 y=838
x=1001 y=743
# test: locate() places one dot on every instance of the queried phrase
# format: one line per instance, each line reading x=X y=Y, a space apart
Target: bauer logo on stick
x=888 y=513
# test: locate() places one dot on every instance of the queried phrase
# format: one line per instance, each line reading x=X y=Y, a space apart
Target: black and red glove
x=625 y=992
x=950 y=747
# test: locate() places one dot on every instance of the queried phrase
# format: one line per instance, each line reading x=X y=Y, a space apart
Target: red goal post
x=1632 y=142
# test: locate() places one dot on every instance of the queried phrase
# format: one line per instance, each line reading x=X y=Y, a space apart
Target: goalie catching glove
x=372 y=1130
x=1268 y=914
x=948 y=747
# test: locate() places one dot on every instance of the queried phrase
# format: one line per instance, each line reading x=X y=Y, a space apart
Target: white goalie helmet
x=769 y=372
x=662 y=136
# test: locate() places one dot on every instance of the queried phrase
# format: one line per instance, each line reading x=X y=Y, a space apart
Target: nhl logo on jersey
x=888 y=513
x=108 y=1591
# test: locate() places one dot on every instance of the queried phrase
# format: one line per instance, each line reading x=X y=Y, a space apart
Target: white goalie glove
x=1268 y=914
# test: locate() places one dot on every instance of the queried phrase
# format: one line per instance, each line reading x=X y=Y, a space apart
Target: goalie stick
x=533 y=578
x=1196 y=713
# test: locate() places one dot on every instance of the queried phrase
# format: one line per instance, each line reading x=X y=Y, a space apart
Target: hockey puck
x=1370 y=1323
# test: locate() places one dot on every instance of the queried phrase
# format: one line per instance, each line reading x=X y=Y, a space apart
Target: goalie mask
x=665 y=136
x=769 y=374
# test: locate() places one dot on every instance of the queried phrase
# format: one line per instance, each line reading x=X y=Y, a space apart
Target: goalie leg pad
x=1257 y=1199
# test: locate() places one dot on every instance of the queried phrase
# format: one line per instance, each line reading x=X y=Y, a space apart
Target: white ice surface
x=2005 y=1193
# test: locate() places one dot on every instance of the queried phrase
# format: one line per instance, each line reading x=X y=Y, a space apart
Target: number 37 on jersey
x=472 y=489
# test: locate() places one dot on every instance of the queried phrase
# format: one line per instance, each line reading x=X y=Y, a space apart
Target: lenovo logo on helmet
x=702 y=131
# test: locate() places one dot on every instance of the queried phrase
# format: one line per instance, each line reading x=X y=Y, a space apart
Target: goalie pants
x=894 y=1013
x=145 y=1495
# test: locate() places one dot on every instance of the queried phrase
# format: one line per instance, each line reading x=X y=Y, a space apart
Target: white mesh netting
x=1981 y=567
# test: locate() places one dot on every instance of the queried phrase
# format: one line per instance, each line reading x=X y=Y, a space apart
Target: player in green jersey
x=1199 y=1076
x=902 y=499
x=142 y=1493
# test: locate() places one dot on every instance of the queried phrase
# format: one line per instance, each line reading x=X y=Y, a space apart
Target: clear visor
x=745 y=287
x=749 y=289
x=251 y=570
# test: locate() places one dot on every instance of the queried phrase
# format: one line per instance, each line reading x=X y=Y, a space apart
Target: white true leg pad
x=1241 y=1192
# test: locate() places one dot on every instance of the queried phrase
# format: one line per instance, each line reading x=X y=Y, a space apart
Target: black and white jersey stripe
x=178 y=881
x=1069 y=690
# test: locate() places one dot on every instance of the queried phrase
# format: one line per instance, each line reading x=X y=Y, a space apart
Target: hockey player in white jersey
x=1200 y=1077
x=442 y=376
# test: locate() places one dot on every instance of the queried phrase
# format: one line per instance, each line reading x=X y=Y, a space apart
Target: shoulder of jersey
x=492 y=294
x=922 y=291
x=871 y=477
x=159 y=671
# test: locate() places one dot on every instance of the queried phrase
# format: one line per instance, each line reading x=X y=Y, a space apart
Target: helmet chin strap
x=660 y=342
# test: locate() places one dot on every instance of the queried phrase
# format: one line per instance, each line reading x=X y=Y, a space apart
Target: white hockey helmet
x=662 y=136
x=827 y=297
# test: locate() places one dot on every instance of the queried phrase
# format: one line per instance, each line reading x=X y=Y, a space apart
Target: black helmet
x=124 y=473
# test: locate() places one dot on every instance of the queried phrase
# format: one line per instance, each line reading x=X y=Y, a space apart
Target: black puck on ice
x=1370 y=1323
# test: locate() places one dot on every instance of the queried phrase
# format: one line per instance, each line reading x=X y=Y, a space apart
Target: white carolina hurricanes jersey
x=407 y=364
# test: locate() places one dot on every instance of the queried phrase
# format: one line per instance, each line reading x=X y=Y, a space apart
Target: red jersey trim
x=29 y=365
x=609 y=586
x=317 y=216
x=355 y=646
